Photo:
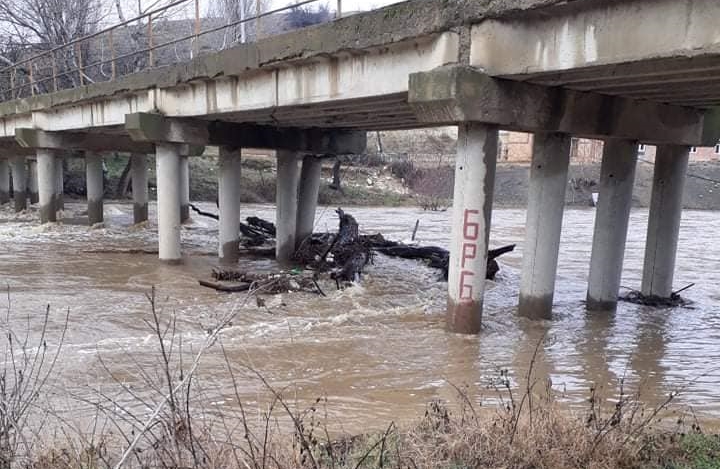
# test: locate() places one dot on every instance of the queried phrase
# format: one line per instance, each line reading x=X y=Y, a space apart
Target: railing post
x=258 y=20
x=54 y=71
x=32 y=81
x=80 y=66
x=196 y=43
x=113 y=71
x=338 y=13
x=151 y=60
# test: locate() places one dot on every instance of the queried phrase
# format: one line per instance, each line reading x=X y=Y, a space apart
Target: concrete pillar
x=546 y=201
x=19 y=179
x=229 y=204
x=4 y=181
x=470 y=231
x=288 y=175
x=617 y=175
x=59 y=185
x=184 y=189
x=308 y=197
x=32 y=183
x=168 y=158
x=94 y=180
x=139 y=171
x=664 y=220
x=47 y=184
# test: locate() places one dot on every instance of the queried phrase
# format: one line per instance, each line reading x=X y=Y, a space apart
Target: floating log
x=219 y=286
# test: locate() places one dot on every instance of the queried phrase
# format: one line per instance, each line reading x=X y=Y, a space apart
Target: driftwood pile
x=343 y=256
x=654 y=301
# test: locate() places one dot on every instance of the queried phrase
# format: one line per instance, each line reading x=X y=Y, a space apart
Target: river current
x=378 y=351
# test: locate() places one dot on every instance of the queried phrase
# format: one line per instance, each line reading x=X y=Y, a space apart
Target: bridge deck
x=353 y=72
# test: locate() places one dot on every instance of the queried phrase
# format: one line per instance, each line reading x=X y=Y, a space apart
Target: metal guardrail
x=33 y=67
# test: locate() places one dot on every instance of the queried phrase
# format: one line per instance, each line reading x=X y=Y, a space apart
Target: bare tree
x=31 y=26
x=234 y=11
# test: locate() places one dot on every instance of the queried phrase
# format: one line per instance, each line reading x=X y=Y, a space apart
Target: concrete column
x=59 y=185
x=139 y=171
x=229 y=204
x=4 y=181
x=546 y=201
x=168 y=158
x=308 y=197
x=288 y=175
x=184 y=189
x=94 y=180
x=664 y=220
x=19 y=179
x=47 y=184
x=617 y=175
x=470 y=231
x=32 y=184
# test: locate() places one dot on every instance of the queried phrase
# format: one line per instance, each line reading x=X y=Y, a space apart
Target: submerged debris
x=654 y=301
x=342 y=255
x=231 y=280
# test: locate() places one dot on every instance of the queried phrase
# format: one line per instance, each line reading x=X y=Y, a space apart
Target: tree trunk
x=122 y=186
x=336 y=174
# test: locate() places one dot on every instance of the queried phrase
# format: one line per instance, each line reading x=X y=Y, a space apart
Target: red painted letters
x=471 y=233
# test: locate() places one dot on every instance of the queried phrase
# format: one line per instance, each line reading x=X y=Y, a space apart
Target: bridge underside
x=624 y=71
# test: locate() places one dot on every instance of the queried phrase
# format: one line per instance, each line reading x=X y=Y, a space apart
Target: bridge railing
x=156 y=38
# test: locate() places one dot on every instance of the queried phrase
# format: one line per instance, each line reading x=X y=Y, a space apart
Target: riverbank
x=403 y=184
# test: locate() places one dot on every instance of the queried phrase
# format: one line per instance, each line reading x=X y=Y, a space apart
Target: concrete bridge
x=624 y=71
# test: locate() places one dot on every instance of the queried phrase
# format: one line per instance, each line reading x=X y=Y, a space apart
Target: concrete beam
x=139 y=169
x=470 y=230
x=10 y=148
x=463 y=94
x=543 y=227
x=671 y=162
x=596 y=34
x=93 y=142
x=4 y=181
x=157 y=128
x=95 y=190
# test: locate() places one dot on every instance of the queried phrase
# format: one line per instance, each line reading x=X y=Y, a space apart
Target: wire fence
x=173 y=33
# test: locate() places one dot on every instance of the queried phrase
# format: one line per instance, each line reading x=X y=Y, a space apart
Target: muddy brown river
x=378 y=351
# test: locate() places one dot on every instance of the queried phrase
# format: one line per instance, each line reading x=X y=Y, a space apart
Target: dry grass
x=170 y=425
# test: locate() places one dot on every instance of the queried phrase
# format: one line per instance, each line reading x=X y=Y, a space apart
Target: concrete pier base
x=546 y=202
x=32 y=184
x=664 y=220
x=470 y=231
x=184 y=189
x=617 y=175
x=139 y=171
x=288 y=175
x=4 y=181
x=94 y=180
x=229 y=204
x=307 y=197
x=19 y=180
x=59 y=184
x=168 y=165
x=47 y=184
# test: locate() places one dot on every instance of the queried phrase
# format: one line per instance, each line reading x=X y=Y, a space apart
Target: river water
x=377 y=351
